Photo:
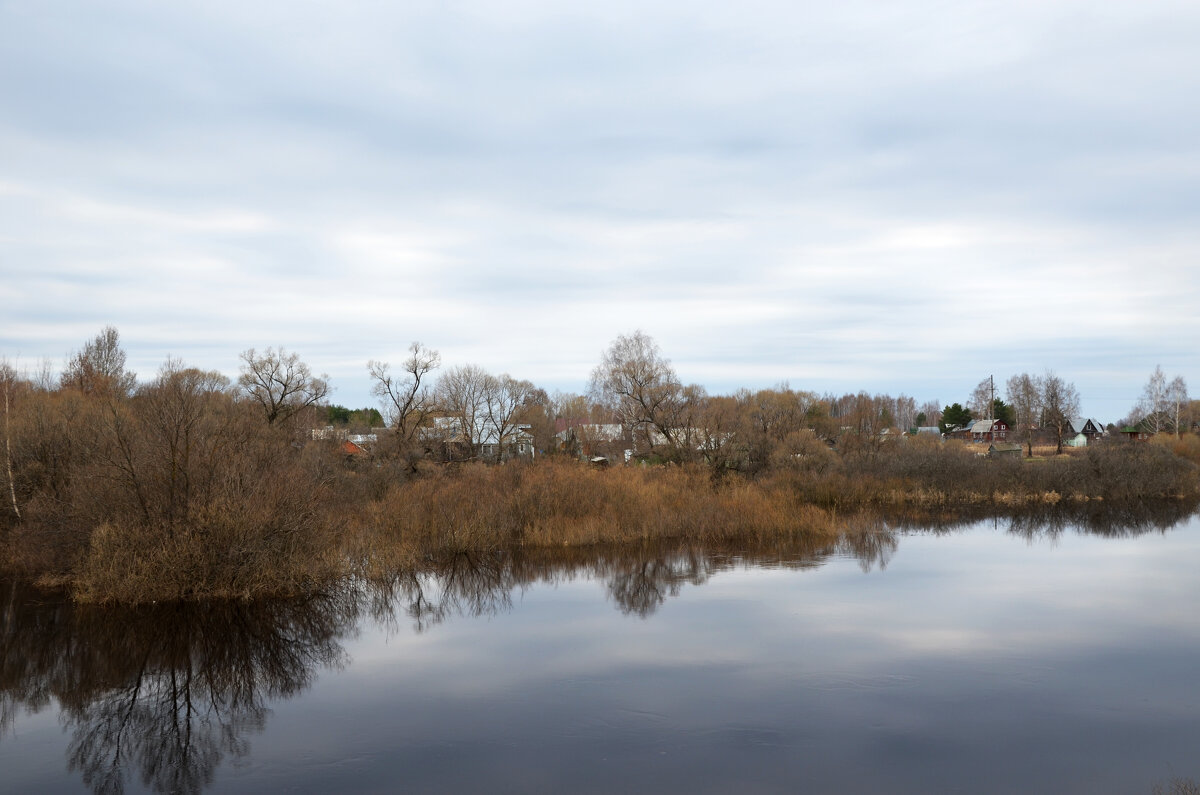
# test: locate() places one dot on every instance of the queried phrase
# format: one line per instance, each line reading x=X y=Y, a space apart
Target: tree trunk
x=12 y=489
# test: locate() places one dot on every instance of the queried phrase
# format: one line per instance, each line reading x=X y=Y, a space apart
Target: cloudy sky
x=897 y=197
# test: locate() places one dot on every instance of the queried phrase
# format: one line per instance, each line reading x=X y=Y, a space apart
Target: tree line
x=466 y=413
x=192 y=484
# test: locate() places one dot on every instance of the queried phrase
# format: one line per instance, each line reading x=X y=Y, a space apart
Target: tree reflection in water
x=168 y=690
x=638 y=579
x=1120 y=520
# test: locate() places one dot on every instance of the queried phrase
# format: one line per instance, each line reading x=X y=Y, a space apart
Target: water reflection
x=166 y=691
x=637 y=579
x=1125 y=519
x=1121 y=520
x=165 y=694
x=640 y=579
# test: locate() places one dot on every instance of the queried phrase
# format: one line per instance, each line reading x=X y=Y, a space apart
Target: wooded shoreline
x=297 y=528
x=187 y=488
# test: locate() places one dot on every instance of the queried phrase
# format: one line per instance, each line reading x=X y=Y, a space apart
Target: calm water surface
x=989 y=658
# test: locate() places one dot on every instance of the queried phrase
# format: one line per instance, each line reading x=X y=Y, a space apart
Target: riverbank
x=318 y=519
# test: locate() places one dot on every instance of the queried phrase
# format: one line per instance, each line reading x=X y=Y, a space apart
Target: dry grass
x=562 y=503
x=558 y=503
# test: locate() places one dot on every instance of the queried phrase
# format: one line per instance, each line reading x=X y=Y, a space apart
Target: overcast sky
x=897 y=197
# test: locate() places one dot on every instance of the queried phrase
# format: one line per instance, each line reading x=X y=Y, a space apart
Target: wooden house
x=1092 y=430
x=989 y=431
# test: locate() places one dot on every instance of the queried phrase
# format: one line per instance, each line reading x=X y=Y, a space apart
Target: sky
x=892 y=197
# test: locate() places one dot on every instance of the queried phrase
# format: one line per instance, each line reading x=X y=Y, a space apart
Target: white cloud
x=775 y=191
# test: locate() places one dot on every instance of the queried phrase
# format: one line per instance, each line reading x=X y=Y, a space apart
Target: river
x=993 y=657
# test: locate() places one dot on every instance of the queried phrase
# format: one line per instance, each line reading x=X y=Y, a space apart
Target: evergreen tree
x=954 y=416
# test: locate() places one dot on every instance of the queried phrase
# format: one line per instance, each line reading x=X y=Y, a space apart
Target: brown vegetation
x=179 y=491
x=560 y=502
x=185 y=488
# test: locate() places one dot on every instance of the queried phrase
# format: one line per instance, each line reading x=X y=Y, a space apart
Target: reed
x=556 y=503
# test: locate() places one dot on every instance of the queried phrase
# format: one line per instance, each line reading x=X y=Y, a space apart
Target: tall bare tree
x=906 y=412
x=407 y=396
x=1177 y=403
x=280 y=383
x=462 y=394
x=1025 y=396
x=1163 y=403
x=7 y=380
x=183 y=434
x=99 y=369
x=1151 y=409
x=504 y=398
x=982 y=396
x=641 y=387
x=1060 y=402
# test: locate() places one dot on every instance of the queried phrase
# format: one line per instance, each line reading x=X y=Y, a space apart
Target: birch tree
x=1060 y=402
x=7 y=378
x=1025 y=396
x=1177 y=403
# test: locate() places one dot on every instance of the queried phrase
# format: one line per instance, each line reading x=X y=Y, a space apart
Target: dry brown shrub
x=271 y=538
x=1186 y=446
x=565 y=503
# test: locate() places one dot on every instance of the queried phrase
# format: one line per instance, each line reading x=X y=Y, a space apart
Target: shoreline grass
x=311 y=520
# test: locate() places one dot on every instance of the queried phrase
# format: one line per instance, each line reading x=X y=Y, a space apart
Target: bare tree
x=718 y=431
x=504 y=398
x=1163 y=403
x=906 y=412
x=461 y=396
x=407 y=397
x=982 y=396
x=280 y=383
x=776 y=413
x=183 y=434
x=1060 y=402
x=1025 y=396
x=638 y=382
x=1177 y=403
x=7 y=378
x=99 y=369
x=932 y=409
x=1151 y=409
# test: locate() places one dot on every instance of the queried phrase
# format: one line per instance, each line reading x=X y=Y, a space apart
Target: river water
x=994 y=657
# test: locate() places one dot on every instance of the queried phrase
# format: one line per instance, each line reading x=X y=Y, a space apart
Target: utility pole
x=992 y=402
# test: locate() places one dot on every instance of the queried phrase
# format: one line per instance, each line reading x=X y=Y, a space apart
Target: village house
x=445 y=438
x=989 y=431
x=962 y=432
x=1085 y=431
